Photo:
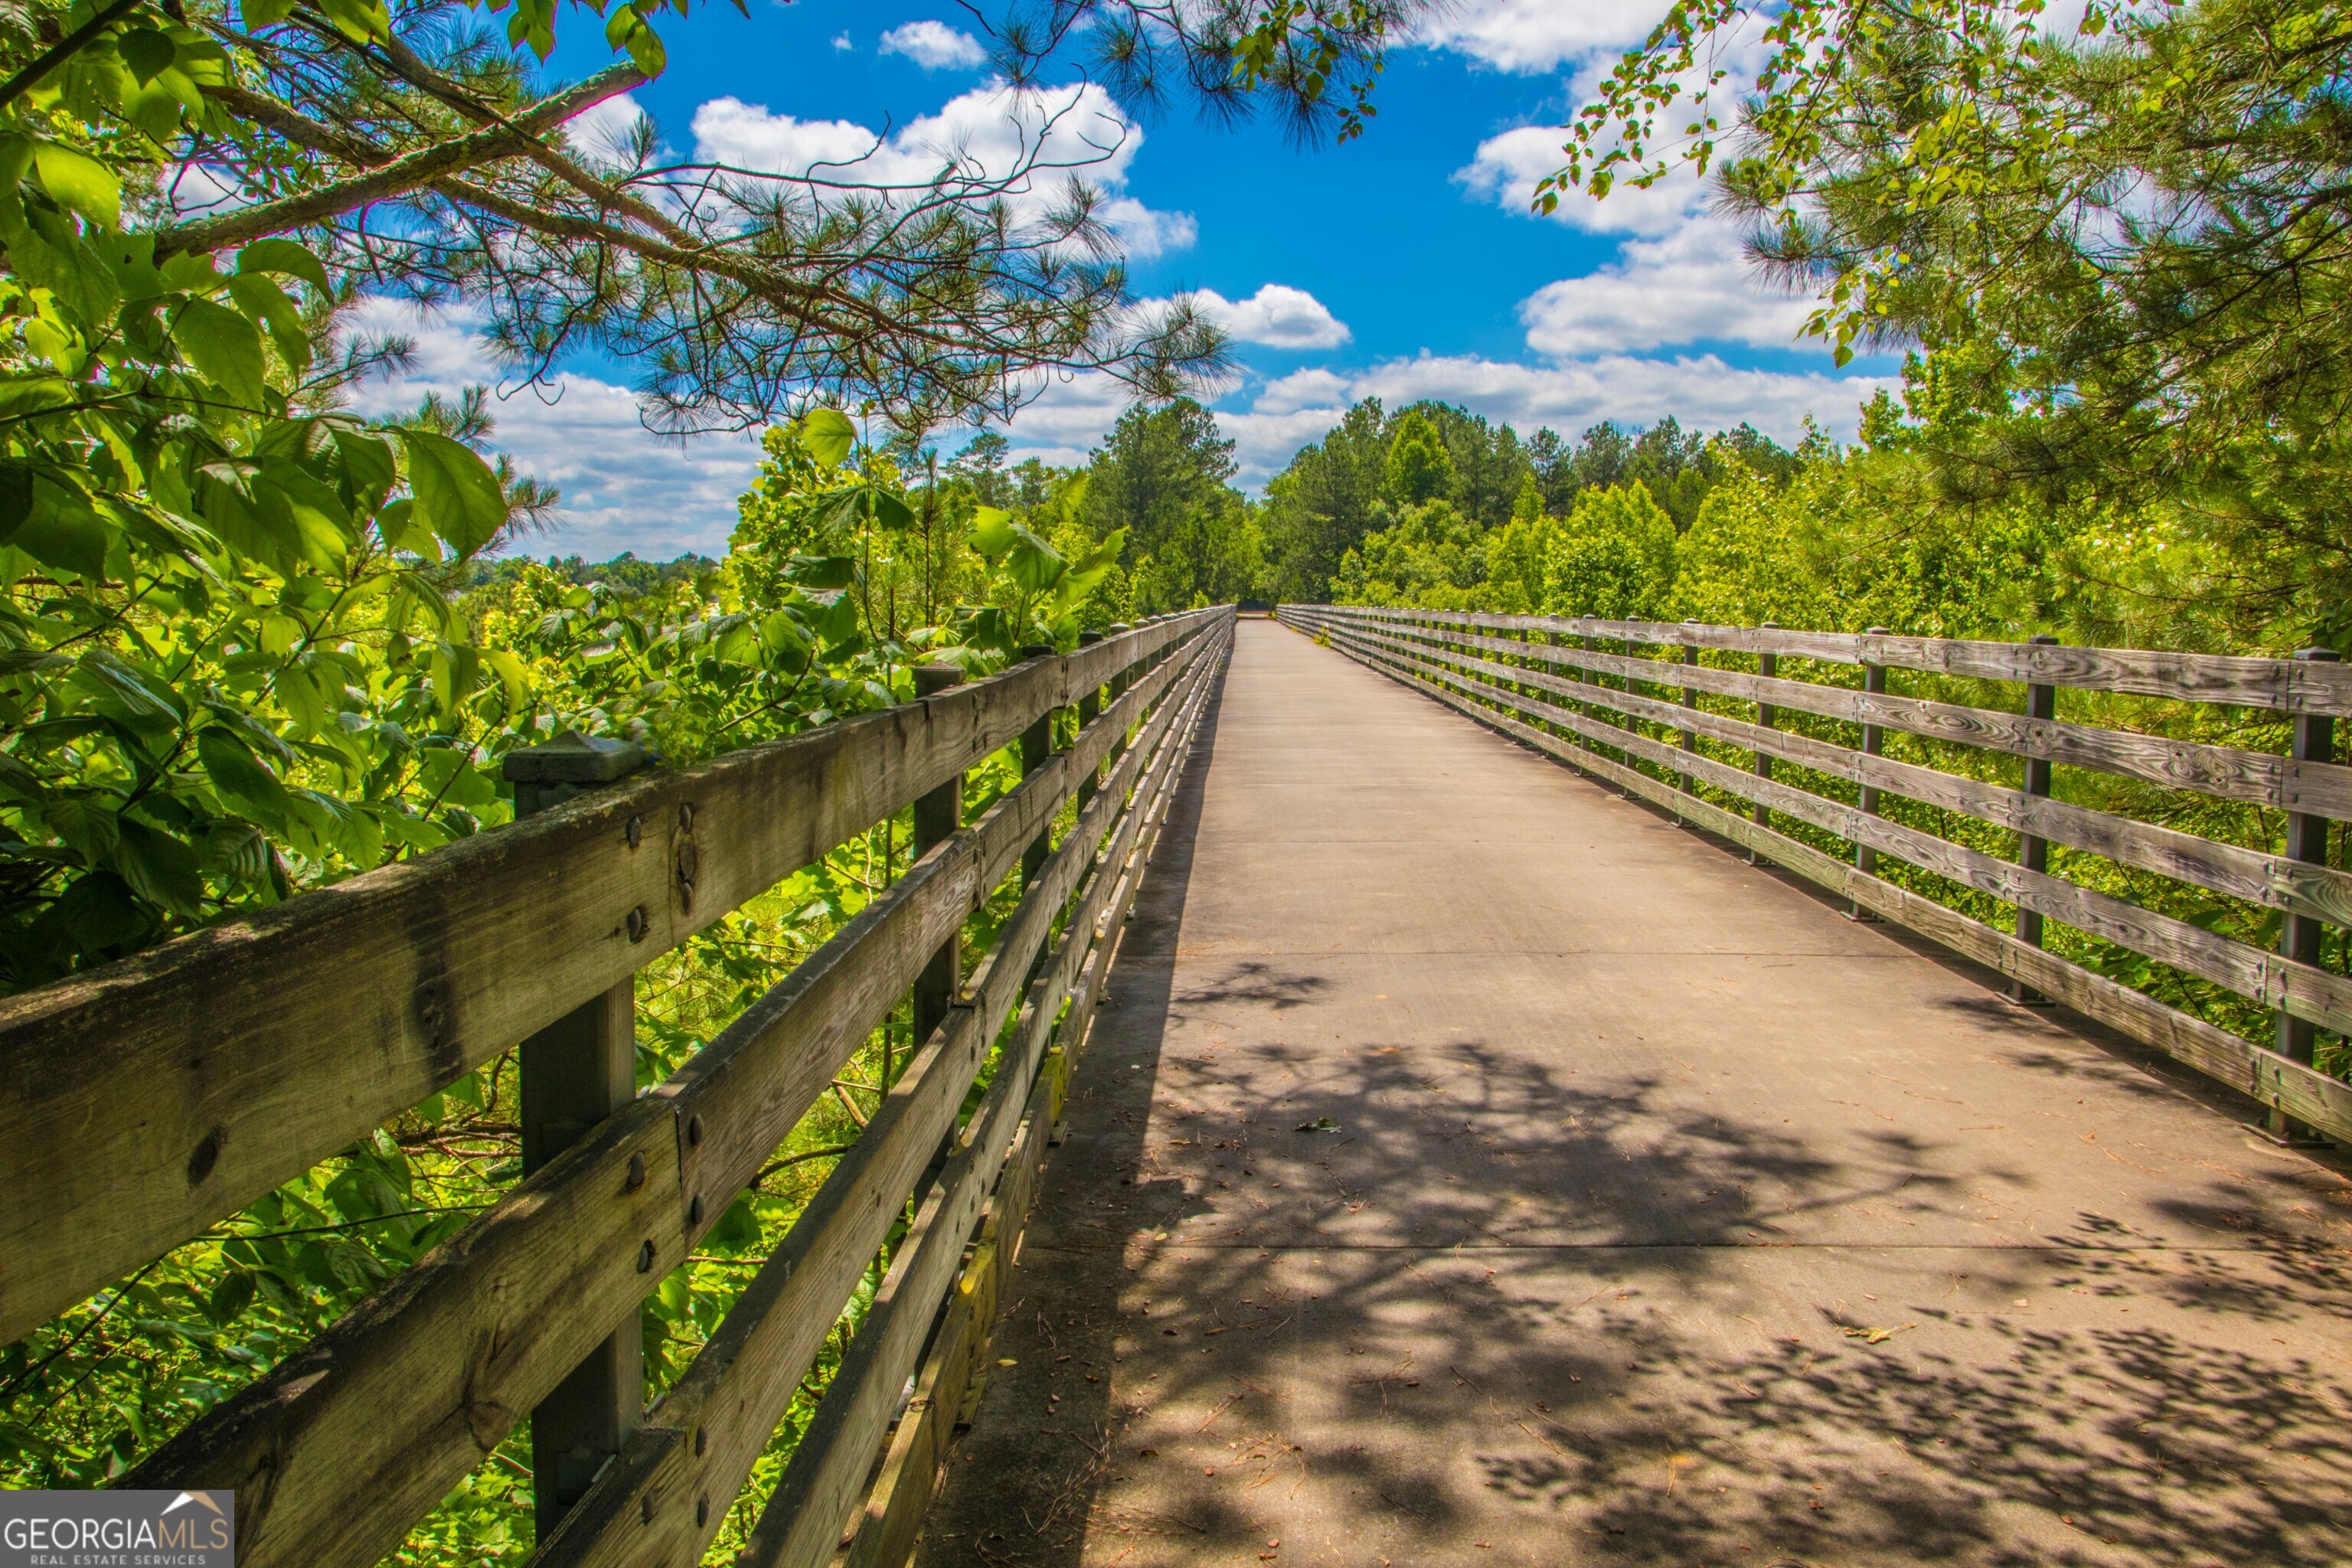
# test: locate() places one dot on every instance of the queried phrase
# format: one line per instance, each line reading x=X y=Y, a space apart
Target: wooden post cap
x=575 y=758
x=2319 y=654
x=1037 y=651
x=931 y=680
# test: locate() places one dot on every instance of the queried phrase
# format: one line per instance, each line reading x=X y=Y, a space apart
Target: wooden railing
x=1554 y=684
x=148 y=1099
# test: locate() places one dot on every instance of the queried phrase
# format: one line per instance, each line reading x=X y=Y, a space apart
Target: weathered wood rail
x=150 y=1099
x=1547 y=682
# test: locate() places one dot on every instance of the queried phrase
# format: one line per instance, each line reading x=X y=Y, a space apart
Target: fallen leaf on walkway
x=1874 y=1336
x=1320 y=1124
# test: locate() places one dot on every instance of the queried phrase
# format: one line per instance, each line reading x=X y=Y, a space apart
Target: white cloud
x=1311 y=388
x=995 y=133
x=1690 y=285
x=1538 y=35
x=624 y=488
x=603 y=130
x=1277 y=314
x=842 y=41
x=1508 y=168
x=934 y=46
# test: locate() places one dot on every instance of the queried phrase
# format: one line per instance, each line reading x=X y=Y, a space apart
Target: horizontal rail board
x=148 y=1099
x=2261 y=976
x=703 y=1438
x=803 y=1521
x=2283 y=685
x=2256 y=875
x=340 y=1448
x=2228 y=773
x=2298 y=1090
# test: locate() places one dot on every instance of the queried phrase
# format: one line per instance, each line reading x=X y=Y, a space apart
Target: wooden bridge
x=1438 y=1153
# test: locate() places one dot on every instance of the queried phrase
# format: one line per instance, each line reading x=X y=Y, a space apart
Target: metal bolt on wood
x=577 y=1073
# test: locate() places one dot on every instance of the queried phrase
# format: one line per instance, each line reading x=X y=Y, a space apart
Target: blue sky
x=1403 y=265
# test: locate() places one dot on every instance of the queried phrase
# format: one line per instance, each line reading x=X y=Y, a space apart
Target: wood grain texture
x=701 y=1441
x=2285 y=684
x=803 y=1519
x=2299 y=1090
x=887 y=1528
x=383 y=1390
x=147 y=1098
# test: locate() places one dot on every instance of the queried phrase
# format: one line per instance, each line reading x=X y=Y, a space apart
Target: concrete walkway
x=1472 y=1166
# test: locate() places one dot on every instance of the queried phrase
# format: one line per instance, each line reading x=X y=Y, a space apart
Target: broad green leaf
x=285 y=257
x=457 y=496
x=892 y=512
x=225 y=347
x=261 y=13
x=1032 y=564
x=76 y=179
x=238 y=774
x=264 y=302
x=828 y=435
x=991 y=533
x=145 y=51
x=358 y=20
x=158 y=868
x=822 y=570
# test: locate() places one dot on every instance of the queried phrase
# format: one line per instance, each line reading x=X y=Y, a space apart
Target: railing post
x=1690 y=700
x=1767 y=666
x=1037 y=747
x=2033 y=849
x=1873 y=740
x=2299 y=935
x=1089 y=710
x=938 y=814
x=577 y=1073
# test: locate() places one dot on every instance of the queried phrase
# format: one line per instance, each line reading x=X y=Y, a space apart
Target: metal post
x=2033 y=849
x=1036 y=746
x=1873 y=740
x=938 y=814
x=1767 y=665
x=2299 y=936
x=577 y=1073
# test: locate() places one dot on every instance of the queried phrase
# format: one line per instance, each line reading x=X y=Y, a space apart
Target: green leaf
x=1034 y=564
x=146 y=51
x=822 y=570
x=828 y=435
x=160 y=869
x=892 y=512
x=265 y=302
x=225 y=347
x=285 y=257
x=241 y=776
x=457 y=496
x=358 y=20
x=261 y=13
x=75 y=179
x=991 y=533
